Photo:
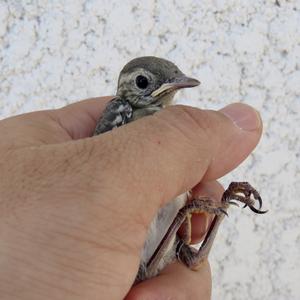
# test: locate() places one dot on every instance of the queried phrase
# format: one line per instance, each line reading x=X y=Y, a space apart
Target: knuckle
x=91 y=153
x=195 y=118
x=192 y=123
x=84 y=150
x=102 y=158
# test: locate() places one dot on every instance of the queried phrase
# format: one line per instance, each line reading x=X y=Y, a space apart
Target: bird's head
x=151 y=81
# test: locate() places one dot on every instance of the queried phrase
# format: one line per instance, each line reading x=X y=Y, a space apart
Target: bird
x=147 y=85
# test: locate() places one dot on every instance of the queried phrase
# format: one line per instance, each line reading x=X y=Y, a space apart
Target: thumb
x=148 y=162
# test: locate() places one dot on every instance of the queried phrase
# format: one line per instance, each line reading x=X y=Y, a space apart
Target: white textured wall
x=53 y=54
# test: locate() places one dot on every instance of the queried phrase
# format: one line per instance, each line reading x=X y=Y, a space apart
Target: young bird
x=145 y=86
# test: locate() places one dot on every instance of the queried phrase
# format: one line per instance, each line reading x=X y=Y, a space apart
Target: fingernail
x=243 y=116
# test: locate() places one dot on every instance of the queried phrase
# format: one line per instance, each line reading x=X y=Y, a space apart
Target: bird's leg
x=188 y=255
x=237 y=191
x=198 y=206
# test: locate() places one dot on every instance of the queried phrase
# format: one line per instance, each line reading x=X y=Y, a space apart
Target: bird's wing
x=117 y=113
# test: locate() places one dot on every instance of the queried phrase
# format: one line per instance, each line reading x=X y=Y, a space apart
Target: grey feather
x=117 y=113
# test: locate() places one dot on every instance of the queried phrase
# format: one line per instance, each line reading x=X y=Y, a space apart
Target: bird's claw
x=243 y=192
x=222 y=210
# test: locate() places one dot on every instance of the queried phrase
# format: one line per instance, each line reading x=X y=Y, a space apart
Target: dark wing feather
x=117 y=113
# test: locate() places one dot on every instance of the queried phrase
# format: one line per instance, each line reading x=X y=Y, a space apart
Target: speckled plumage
x=117 y=113
x=132 y=103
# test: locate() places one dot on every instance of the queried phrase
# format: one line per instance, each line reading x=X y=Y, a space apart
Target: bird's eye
x=141 y=82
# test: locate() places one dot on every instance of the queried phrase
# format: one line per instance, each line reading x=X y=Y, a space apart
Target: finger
x=175 y=282
x=79 y=119
x=158 y=157
x=73 y=121
x=201 y=222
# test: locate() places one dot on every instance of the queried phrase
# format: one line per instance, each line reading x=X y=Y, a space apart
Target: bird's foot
x=243 y=192
x=237 y=192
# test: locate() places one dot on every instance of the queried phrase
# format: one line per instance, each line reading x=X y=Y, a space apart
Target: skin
x=70 y=228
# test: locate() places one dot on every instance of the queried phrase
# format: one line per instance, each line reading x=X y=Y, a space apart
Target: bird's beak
x=176 y=84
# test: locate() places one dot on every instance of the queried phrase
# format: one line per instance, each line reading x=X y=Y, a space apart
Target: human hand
x=75 y=209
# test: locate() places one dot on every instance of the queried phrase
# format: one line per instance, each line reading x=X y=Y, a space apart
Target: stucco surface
x=56 y=52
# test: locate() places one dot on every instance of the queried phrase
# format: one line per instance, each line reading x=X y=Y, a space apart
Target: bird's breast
x=160 y=225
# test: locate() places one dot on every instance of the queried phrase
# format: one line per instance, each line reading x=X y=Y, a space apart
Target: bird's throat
x=165 y=100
